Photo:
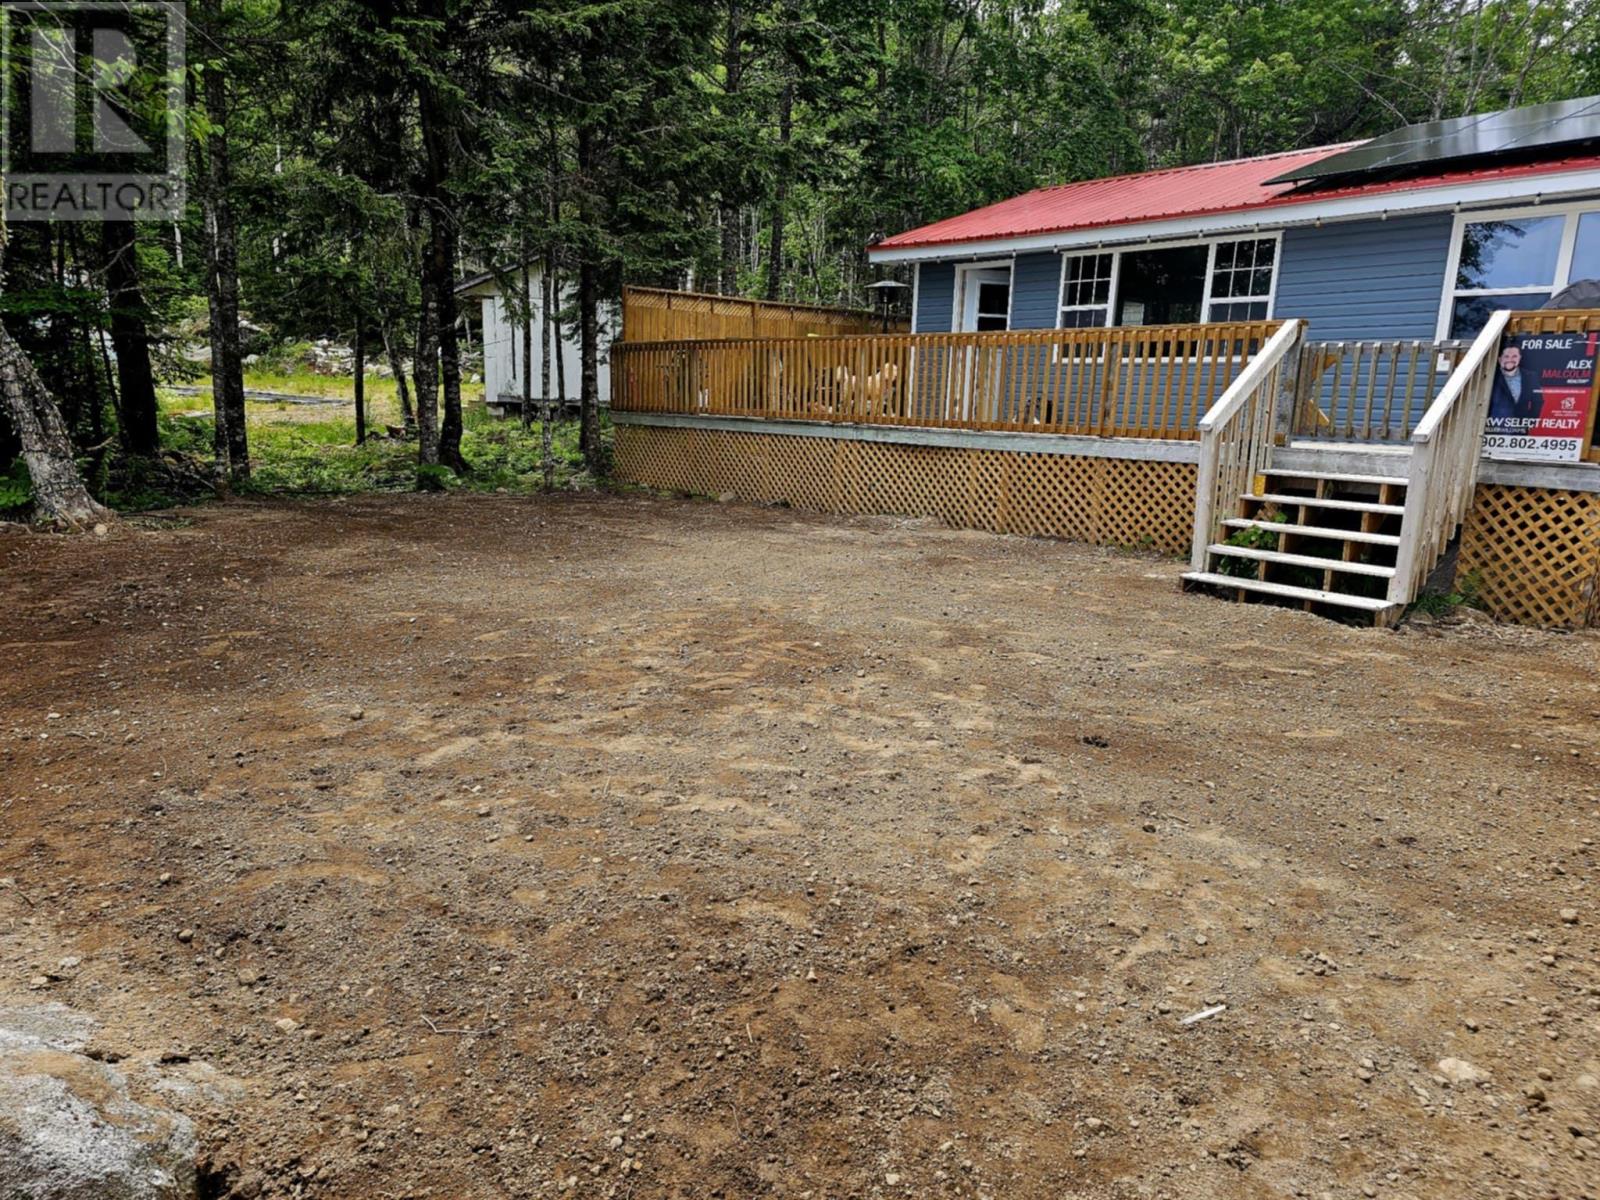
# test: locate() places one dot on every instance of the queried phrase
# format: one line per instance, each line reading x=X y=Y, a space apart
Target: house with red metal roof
x=1419 y=234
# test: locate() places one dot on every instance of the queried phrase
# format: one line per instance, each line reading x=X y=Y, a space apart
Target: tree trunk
x=780 y=192
x=360 y=365
x=222 y=273
x=425 y=367
x=732 y=85
x=547 y=462
x=136 y=385
x=588 y=312
x=408 y=419
x=558 y=345
x=589 y=359
x=527 y=343
x=58 y=490
x=444 y=296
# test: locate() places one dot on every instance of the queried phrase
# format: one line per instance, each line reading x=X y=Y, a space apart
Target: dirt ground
x=492 y=847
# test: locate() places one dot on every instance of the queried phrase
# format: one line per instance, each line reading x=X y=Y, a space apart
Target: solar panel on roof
x=1535 y=127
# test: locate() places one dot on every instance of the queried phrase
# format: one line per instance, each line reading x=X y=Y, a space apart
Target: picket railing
x=1145 y=382
x=1237 y=436
x=1444 y=462
x=1368 y=391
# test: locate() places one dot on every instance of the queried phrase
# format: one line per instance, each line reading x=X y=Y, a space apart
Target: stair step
x=1303 y=560
x=1316 y=531
x=1368 y=506
x=1336 y=477
x=1286 y=592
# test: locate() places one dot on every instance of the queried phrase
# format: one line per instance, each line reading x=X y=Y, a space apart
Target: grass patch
x=1467 y=593
x=310 y=449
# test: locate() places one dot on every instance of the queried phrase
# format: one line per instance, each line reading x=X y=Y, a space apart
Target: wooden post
x=1289 y=389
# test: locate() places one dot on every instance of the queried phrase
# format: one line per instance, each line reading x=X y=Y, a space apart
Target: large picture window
x=1169 y=285
x=1518 y=260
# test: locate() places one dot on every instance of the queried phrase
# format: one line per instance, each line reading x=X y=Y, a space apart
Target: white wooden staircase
x=1320 y=540
x=1351 y=546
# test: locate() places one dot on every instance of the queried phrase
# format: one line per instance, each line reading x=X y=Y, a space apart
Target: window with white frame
x=1164 y=285
x=1086 y=290
x=1516 y=259
x=1241 y=280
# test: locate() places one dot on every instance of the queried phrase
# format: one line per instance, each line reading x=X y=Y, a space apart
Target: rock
x=892 y=1179
x=287 y=1024
x=1460 y=1072
x=69 y=1128
x=357 y=713
x=1569 y=916
x=186 y=936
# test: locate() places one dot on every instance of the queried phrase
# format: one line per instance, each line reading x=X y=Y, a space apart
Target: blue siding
x=1365 y=280
x=1035 y=291
x=1353 y=280
x=936 y=296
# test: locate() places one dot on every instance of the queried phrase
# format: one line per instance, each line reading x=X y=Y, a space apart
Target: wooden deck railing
x=1443 y=473
x=1369 y=391
x=1237 y=436
x=1148 y=382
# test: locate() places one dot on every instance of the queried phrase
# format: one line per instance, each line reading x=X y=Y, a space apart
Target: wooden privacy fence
x=1369 y=391
x=1149 y=382
x=657 y=314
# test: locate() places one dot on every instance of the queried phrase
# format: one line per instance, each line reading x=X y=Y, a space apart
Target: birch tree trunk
x=444 y=296
x=58 y=491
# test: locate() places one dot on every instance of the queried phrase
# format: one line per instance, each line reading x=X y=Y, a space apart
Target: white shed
x=502 y=343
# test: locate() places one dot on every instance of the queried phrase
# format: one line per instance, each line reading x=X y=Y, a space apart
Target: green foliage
x=16 y=488
x=1467 y=593
x=320 y=457
x=1251 y=539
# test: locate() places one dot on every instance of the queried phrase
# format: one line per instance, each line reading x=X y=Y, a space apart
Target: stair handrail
x=1236 y=436
x=1443 y=474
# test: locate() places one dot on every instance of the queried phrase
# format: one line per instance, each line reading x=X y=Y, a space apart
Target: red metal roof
x=1238 y=185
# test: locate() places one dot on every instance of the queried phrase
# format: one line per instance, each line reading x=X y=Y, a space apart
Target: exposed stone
x=70 y=1130
x=1460 y=1072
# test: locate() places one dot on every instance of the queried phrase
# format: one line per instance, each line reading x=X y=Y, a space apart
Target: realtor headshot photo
x=1515 y=392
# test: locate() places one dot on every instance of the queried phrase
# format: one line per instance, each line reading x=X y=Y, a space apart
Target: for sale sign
x=1540 y=401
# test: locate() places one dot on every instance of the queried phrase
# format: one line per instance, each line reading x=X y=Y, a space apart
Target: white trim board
x=1141 y=449
x=1534 y=189
x=958 y=300
x=1574 y=477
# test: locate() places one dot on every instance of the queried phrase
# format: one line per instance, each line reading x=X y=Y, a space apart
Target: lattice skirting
x=1538 y=552
x=1107 y=501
